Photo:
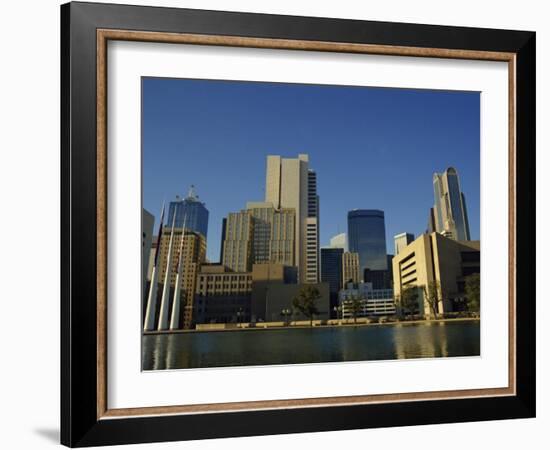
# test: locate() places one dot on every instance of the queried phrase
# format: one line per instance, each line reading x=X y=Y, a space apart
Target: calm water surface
x=309 y=345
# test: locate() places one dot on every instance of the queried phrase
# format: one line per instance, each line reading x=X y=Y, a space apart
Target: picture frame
x=86 y=418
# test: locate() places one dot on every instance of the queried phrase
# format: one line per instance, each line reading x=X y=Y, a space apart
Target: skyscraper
x=237 y=246
x=350 y=268
x=339 y=241
x=331 y=272
x=449 y=216
x=190 y=211
x=401 y=240
x=291 y=184
x=257 y=235
x=367 y=236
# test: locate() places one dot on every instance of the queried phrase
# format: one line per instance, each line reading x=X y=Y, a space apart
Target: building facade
x=339 y=241
x=189 y=212
x=270 y=299
x=193 y=255
x=372 y=302
x=435 y=258
x=331 y=272
x=367 y=237
x=350 y=268
x=222 y=296
x=401 y=241
x=237 y=246
x=291 y=184
x=449 y=215
x=331 y=268
x=258 y=235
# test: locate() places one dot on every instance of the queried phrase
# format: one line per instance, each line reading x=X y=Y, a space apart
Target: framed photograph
x=277 y=224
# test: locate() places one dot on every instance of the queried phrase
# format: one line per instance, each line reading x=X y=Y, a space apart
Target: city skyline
x=371 y=179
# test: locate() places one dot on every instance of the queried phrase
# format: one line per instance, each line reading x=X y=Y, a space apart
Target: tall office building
x=273 y=234
x=401 y=240
x=350 y=268
x=291 y=184
x=189 y=211
x=367 y=236
x=257 y=235
x=331 y=272
x=193 y=254
x=449 y=216
x=339 y=241
x=237 y=246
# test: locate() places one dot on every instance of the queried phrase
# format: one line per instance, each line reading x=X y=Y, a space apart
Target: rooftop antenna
x=191 y=193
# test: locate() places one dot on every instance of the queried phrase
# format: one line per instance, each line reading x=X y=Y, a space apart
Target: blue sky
x=372 y=148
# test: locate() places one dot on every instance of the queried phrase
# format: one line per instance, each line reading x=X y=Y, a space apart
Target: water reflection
x=310 y=345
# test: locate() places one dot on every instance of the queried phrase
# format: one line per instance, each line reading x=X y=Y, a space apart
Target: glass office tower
x=449 y=215
x=367 y=237
x=191 y=211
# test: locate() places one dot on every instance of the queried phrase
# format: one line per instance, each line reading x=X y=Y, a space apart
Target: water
x=310 y=345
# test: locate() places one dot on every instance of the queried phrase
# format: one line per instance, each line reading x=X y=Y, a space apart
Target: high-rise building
x=350 y=268
x=259 y=234
x=339 y=241
x=401 y=241
x=237 y=246
x=331 y=272
x=449 y=216
x=436 y=258
x=367 y=236
x=224 y=224
x=190 y=212
x=312 y=230
x=193 y=254
x=291 y=184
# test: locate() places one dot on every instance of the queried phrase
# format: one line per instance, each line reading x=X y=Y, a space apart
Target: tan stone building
x=434 y=257
x=290 y=183
x=223 y=296
x=237 y=246
x=259 y=234
x=194 y=254
x=350 y=268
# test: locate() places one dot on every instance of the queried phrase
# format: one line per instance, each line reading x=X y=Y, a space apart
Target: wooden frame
x=86 y=418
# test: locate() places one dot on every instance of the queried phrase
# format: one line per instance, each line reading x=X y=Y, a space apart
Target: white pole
x=174 y=321
x=165 y=302
x=149 y=322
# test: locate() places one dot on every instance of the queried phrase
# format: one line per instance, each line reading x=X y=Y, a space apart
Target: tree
x=409 y=298
x=305 y=302
x=356 y=305
x=472 y=292
x=433 y=295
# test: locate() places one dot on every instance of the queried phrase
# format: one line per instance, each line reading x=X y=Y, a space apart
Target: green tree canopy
x=305 y=301
x=472 y=289
x=409 y=299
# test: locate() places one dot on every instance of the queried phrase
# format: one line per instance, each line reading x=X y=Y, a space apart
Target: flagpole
x=149 y=322
x=176 y=303
x=165 y=302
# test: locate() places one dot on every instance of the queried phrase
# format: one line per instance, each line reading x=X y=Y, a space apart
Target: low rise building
x=371 y=302
x=222 y=296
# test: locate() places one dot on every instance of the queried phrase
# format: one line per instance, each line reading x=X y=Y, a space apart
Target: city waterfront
x=311 y=345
